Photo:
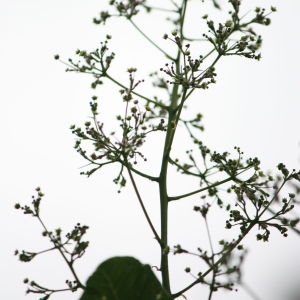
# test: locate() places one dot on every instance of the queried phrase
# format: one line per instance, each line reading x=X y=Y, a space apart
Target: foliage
x=250 y=197
x=124 y=278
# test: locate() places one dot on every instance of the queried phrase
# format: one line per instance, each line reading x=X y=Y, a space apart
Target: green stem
x=151 y=41
x=161 y=9
x=143 y=207
x=174 y=113
x=129 y=166
x=200 y=190
x=163 y=192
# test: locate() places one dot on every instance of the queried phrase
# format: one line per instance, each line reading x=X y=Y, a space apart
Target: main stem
x=163 y=191
x=174 y=114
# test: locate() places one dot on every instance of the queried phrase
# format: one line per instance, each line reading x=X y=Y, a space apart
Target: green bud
x=229 y=23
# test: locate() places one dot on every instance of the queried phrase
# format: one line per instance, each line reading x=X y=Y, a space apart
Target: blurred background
x=254 y=105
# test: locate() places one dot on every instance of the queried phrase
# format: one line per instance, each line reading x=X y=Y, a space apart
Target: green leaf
x=124 y=278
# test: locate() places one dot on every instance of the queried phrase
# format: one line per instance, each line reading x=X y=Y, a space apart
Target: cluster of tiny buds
x=187 y=76
x=127 y=92
x=73 y=285
x=176 y=39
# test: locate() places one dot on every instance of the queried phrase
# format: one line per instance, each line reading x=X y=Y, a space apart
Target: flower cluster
x=247 y=44
x=126 y=9
x=95 y=63
x=254 y=192
x=226 y=274
x=189 y=75
x=71 y=246
x=120 y=146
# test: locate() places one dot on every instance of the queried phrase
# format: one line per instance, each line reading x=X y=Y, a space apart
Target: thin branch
x=211 y=66
x=160 y=8
x=297 y=231
x=212 y=285
x=182 y=17
x=200 y=190
x=249 y=291
x=63 y=255
x=188 y=172
x=152 y=178
x=220 y=260
x=135 y=93
x=151 y=41
x=272 y=200
x=114 y=81
x=143 y=207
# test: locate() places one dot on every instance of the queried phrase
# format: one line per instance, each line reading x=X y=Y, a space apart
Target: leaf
x=124 y=278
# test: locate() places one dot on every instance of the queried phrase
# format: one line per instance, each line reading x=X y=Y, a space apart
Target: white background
x=254 y=105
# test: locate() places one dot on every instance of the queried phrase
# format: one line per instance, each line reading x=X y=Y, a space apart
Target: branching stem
x=69 y=263
x=143 y=206
x=220 y=260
